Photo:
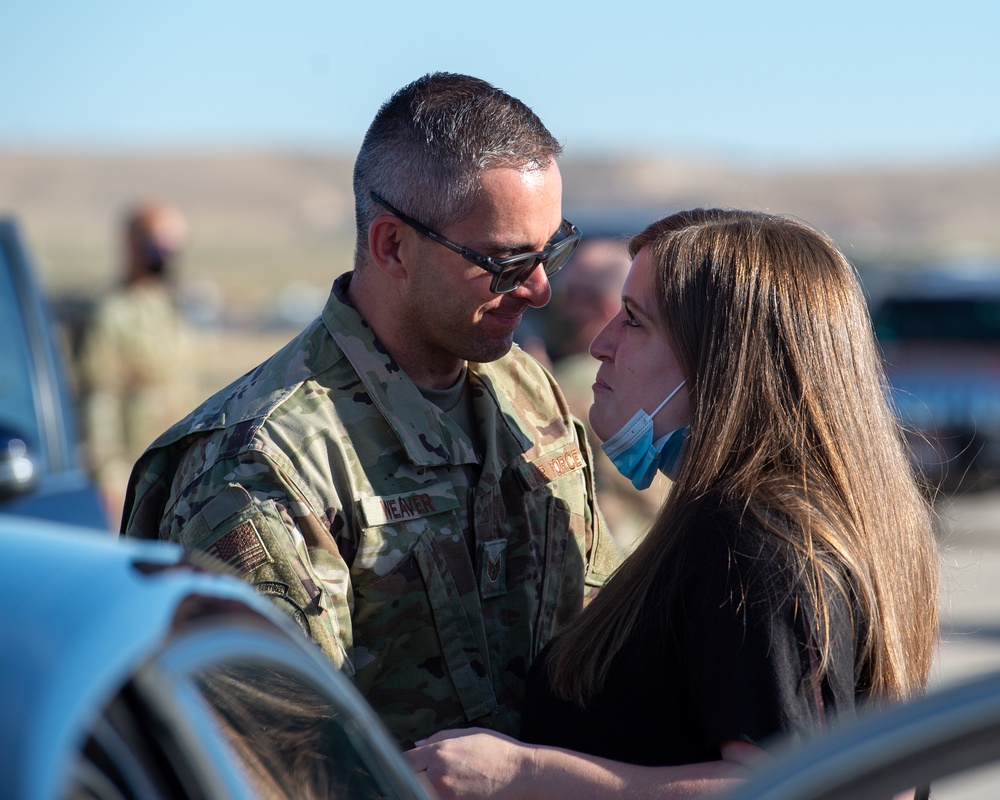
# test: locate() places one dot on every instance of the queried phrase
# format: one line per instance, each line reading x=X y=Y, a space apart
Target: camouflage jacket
x=323 y=475
x=134 y=380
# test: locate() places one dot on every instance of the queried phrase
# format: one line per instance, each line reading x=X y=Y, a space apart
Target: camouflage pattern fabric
x=327 y=480
x=134 y=373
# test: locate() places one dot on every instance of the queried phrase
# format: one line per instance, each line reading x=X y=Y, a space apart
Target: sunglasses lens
x=560 y=255
x=553 y=260
x=515 y=275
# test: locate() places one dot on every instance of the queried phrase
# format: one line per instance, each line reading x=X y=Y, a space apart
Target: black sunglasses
x=508 y=273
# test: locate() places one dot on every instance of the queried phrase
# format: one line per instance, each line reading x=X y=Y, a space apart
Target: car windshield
x=953 y=320
x=17 y=402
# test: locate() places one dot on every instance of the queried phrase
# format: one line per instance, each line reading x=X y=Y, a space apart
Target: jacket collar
x=429 y=437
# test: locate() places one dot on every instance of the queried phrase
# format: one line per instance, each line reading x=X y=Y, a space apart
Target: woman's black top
x=726 y=660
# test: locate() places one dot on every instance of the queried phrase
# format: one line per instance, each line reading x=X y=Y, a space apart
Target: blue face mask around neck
x=635 y=454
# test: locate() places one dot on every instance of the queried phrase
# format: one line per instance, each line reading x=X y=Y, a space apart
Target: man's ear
x=388 y=246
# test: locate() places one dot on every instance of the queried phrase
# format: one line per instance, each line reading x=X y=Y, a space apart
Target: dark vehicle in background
x=41 y=472
x=129 y=672
x=940 y=335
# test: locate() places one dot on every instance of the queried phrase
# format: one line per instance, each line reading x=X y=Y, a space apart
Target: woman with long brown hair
x=791 y=574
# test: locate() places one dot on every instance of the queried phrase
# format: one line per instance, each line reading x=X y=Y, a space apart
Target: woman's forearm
x=486 y=765
x=561 y=773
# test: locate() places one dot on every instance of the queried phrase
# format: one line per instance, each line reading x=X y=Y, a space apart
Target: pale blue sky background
x=769 y=82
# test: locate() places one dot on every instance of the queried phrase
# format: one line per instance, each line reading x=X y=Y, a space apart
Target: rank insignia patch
x=492 y=557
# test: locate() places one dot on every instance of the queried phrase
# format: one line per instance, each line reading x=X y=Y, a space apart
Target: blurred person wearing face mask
x=134 y=368
x=791 y=575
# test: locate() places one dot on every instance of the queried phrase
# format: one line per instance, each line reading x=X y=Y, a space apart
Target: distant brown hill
x=261 y=220
x=890 y=214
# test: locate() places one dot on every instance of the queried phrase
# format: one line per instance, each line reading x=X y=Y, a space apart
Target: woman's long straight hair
x=791 y=425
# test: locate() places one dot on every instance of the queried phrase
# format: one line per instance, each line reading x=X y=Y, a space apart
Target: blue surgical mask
x=635 y=454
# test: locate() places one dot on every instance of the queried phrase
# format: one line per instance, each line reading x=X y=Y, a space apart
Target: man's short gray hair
x=429 y=143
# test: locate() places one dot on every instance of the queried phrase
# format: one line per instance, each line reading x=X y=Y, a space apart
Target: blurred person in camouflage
x=587 y=298
x=132 y=362
x=411 y=489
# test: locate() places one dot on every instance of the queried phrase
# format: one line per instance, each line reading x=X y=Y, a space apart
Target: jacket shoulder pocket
x=251 y=537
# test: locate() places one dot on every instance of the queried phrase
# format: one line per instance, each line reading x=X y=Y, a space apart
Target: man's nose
x=536 y=289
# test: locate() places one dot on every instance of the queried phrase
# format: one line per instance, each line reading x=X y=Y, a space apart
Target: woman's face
x=638 y=365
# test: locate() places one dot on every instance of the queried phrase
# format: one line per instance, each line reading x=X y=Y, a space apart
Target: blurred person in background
x=587 y=297
x=411 y=489
x=132 y=365
x=791 y=576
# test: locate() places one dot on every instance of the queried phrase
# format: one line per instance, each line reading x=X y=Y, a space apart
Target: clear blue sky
x=775 y=81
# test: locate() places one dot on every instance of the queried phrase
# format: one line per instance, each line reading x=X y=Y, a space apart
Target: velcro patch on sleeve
x=554 y=465
x=241 y=548
x=390 y=509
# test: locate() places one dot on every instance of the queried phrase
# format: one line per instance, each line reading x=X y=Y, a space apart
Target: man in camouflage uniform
x=133 y=365
x=415 y=493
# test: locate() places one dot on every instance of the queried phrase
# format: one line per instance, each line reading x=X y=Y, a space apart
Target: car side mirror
x=17 y=470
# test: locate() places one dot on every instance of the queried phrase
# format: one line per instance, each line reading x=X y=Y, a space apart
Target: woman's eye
x=630 y=320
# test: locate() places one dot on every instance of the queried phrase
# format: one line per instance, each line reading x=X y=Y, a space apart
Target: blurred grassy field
x=224 y=355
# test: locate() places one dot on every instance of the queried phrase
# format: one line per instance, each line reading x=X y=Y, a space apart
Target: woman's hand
x=472 y=762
